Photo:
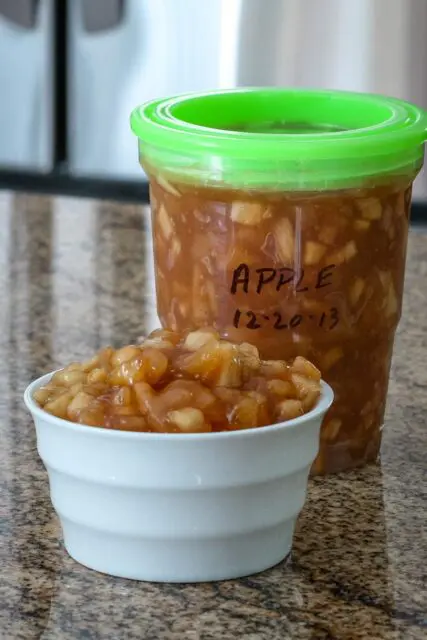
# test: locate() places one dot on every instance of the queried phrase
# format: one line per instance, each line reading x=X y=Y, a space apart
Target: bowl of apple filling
x=182 y=458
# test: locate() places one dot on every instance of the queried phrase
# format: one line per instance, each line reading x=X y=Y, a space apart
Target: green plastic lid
x=257 y=138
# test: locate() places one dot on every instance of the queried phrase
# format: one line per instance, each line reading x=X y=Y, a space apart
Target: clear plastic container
x=281 y=218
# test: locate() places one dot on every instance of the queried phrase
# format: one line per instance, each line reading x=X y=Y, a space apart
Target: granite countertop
x=74 y=276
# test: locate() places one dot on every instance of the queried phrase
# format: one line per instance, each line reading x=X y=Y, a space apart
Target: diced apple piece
x=258 y=396
x=165 y=335
x=162 y=339
x=167 y=186
x=331 y=430
x=230 y=374
x=96 y=389
x=67 y=378
x=149 y=366
x=81 y=401
x=165 y=222
x=93 y=416
x=313 y=252
x=201 y=216
x=42 y=395
x=152 y=406
x=212 y=297
x=346 y=253
x=289 y=409
x=97 y=375
x=302 y=384
x=349 y=250
x=245 y=413
x=310 y=400
x=370 y=208
x=189 y=420
x=388 y=222
x=126 y=410
x=197 y=339
x=200 y=397
x=59 y=405
x=265 y=416
x=331 y=357
x=249 y=213
x=144 y=395
x=127 y=373
x=55 y=392
x=184 y=308
x=122 y=397
x=392 y=305
x=305 y=368
x=200 y=300
x=92 y=363
x=128 y=423
x=74 y=366
x=203 y=363
x=174 y=251
x=104 y=358
x=227 y=396
x=153 y=199
x=249 y=356
x=356 y=290
x=125 y=354
x=274 y=368
x=369 y=422
x=309 y=304
x=308 y=390
x=385 y=277
x=361 y=225
x=282 y=388
x=155 y=364
x=284 y=236
x=158 y=343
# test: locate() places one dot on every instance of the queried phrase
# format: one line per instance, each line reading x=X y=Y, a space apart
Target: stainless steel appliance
x=27 y=84
x=122 y=52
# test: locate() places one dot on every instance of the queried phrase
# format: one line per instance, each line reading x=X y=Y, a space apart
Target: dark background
x=58 y=181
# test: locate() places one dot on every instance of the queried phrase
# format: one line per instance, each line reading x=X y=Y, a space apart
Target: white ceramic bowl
x=178 y=507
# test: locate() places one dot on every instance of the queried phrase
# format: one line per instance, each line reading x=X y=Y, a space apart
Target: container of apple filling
x=281 y=217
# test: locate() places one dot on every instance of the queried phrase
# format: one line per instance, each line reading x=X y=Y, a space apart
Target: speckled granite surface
x=73 y=276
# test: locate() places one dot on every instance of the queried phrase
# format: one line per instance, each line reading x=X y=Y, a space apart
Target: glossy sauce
x=317 y=275
x=181 y=383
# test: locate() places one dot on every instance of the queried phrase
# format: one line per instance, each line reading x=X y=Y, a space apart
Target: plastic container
x=281 y=218
x=177 y=507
